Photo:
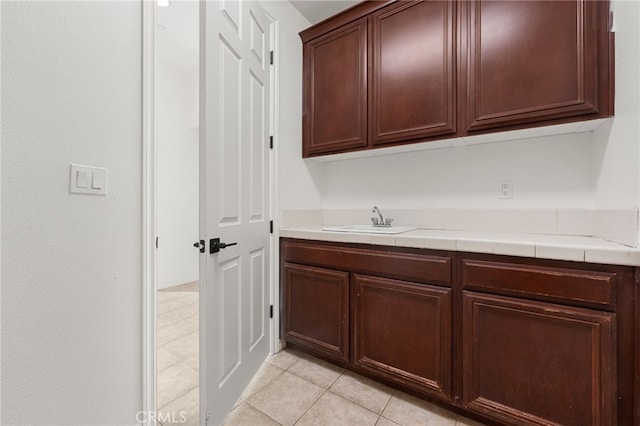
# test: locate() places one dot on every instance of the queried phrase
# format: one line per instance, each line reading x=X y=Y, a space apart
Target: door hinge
x=156 y=242
x=271 y=227
x=271 y=311
x=271 y=57
x=207 y=418
x=271 y=142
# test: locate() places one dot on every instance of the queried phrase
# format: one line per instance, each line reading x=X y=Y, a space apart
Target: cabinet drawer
x=577 y=287
x=402 y=266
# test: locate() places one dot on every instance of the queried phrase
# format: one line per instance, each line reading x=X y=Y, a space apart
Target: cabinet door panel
x=538 y=363
x=402 y=331
x=317 y=308
x=531 y=61
x=335 y=95
x=412 y=85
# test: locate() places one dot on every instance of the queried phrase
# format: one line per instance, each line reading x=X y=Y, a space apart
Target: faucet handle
x=388 y=221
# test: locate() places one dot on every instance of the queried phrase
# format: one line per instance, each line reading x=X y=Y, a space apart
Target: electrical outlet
x=506 y=190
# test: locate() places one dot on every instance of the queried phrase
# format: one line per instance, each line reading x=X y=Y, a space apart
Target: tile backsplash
x=619 y=226
x=294 y=218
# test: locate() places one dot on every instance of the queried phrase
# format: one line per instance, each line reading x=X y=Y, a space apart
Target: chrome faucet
x=380 y=220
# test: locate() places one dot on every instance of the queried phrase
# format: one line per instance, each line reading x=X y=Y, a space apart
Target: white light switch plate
x=88 y=180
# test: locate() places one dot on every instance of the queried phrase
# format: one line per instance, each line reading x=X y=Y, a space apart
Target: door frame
x=274 y=103
x=149 y=217
x=149 y=206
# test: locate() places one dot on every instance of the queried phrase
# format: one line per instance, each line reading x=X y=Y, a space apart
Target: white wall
x=546 y=172
x=0 y=224
x=616 y=155
x=299 y=182
x=71 y=272
x=177 y=180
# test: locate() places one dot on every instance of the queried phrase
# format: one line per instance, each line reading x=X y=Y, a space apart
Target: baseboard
x=174 y=283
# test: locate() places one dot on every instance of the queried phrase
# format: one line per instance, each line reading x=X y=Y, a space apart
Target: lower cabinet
x=538 y=363
x=514 y=341
x=317 y=309
x=402 y=331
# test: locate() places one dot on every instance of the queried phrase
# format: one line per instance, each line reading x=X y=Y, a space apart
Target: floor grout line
x=358 y=404
x=311 y=406
x=181 y=337
x=177 y=398
x=247 y=402
x=393 y=391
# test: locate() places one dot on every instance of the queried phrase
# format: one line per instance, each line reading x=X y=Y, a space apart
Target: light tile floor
x=291 y=388
x=177 y=355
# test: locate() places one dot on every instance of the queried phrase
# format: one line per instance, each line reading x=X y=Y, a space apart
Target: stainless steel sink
x=369 y=229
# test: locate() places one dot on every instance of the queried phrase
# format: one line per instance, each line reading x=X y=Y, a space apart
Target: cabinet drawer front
x=402 y=266
x=317 y=309
x=402 y=331
x=528 y=362
x=578 y=287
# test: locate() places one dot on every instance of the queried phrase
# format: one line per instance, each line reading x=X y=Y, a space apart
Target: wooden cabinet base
x=511 y=341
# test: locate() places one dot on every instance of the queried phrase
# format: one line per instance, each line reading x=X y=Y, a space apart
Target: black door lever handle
x=215 y=245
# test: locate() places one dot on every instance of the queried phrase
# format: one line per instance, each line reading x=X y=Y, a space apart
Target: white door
x=235 y=204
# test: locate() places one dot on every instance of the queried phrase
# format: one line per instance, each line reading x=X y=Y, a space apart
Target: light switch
x=88 y=180
x=82 y=179
x=98 y=178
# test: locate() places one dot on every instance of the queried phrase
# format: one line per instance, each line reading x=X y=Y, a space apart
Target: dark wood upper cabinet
x=412 y=89
x=531 y=61
x=529 y=362
x=391 y=72
x=335 y=90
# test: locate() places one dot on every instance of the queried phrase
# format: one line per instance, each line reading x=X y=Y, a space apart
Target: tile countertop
x=580 y=249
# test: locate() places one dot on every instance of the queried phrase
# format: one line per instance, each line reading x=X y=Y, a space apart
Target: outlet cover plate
x=506 y=190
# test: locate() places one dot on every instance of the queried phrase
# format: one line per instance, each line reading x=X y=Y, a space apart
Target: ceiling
x=178 y=26
x=319 y=10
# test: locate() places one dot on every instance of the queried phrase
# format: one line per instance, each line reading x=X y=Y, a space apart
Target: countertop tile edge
x=596 y=251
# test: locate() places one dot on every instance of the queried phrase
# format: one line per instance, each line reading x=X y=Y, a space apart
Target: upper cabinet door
x=412 y=83
x=531 y=61
x=335 y=91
